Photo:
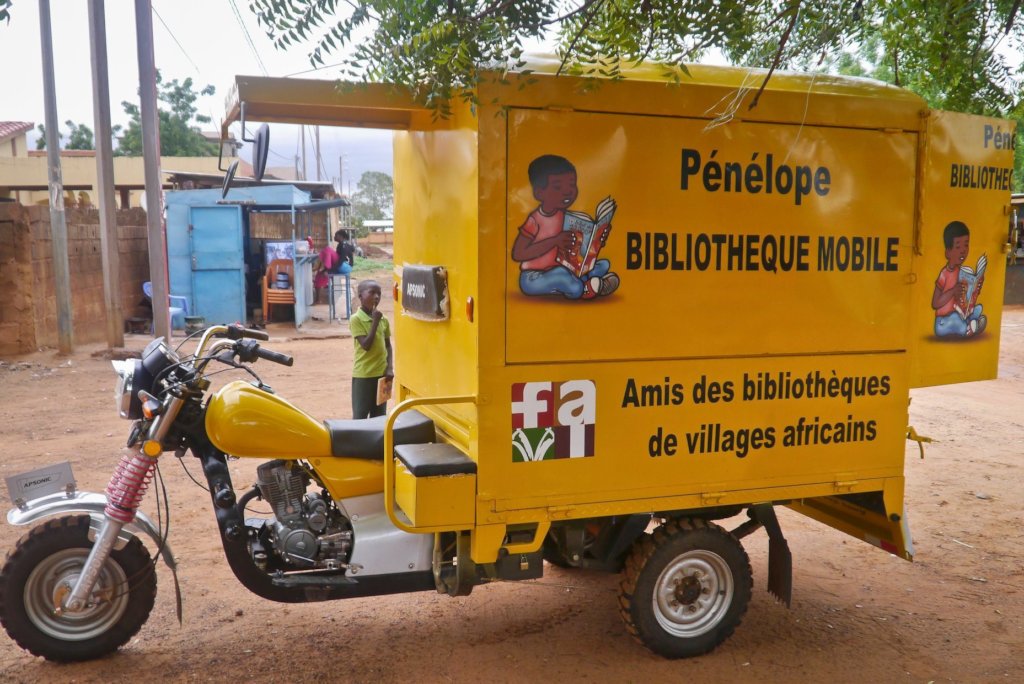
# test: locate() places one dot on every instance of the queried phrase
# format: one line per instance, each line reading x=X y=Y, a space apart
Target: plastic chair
x=272 y=293
x=178 y=307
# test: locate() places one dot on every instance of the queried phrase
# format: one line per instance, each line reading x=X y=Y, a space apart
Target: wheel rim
x=54 y=577
x=693 y=593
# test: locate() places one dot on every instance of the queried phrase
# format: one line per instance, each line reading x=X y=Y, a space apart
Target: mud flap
x=780 y=560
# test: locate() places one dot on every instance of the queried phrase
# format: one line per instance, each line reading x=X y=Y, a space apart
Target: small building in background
x=24 y=177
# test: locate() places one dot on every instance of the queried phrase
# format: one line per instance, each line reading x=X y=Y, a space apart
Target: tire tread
x=20 y=629
x=642 y=552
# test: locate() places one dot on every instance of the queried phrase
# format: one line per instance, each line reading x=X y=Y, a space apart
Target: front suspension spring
x=129 y=485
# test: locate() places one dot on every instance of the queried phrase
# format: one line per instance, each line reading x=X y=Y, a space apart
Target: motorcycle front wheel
x=42 y=568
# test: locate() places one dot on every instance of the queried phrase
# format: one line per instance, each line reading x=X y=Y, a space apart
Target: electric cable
x=248 y=38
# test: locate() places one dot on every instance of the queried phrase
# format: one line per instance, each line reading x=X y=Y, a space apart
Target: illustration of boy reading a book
x=556 y=248
x=957 y=312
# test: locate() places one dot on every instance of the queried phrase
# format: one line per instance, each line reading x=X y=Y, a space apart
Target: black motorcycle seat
x=365 y=438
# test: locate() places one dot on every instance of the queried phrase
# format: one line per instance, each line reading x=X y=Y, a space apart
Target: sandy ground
x=858 y=615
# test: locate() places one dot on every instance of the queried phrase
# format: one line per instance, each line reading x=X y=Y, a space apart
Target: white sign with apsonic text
x=37 y=483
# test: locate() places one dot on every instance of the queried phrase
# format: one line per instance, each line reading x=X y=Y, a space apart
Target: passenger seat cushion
x=429 y=460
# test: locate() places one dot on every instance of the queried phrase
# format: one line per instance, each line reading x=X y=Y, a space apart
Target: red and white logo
x=553 y=420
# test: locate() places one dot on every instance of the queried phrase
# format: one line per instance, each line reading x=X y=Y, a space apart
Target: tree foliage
x=178 y=136
x=41 y=140
x=79 y=136
x=948 y=50
x=374 y=198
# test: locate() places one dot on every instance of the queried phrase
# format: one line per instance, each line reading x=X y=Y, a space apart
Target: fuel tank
x=246 y=421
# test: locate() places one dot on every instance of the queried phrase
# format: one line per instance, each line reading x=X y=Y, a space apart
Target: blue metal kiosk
x=208 y=242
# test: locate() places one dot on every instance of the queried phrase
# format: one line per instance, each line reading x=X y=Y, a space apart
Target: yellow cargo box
x=633 y=300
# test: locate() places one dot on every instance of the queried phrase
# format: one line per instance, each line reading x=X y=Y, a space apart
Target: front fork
x=124 y=496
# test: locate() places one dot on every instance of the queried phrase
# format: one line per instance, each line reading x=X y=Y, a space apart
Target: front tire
x=49 y=559
x=685 y=588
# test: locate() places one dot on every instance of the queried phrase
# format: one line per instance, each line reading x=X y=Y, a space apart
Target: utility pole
x=58 y=223
x=105 y=175
x=151 y=164
x=303 y=129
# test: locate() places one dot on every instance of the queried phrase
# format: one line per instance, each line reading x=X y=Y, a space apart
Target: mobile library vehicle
x=736 y=329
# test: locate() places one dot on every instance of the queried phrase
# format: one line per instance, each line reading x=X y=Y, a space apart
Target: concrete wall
x=28 y=305
x=78 y=169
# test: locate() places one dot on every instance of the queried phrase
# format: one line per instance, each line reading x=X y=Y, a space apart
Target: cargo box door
x=964 y=203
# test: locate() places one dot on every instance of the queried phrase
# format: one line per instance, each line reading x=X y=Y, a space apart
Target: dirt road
x=858 y=615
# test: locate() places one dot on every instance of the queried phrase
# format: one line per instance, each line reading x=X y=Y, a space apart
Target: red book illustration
x=589 y=235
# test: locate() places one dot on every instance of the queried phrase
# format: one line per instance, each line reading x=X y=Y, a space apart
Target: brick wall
x=28 y=312
x=17 y=320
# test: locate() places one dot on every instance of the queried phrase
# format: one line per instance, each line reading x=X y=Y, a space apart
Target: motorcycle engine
x=308 y=530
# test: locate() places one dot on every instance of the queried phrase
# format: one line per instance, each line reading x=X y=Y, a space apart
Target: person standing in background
x=346 y=251
x=321 y=279
x=373 y=359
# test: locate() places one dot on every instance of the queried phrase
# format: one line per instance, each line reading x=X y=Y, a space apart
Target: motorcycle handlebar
x=255 y=334
x=274 y=356
x=237 y=332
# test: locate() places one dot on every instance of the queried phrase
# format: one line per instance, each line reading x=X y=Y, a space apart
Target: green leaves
x=950 y=52
x=178 y=137
x=374 y=197
x=79 y=136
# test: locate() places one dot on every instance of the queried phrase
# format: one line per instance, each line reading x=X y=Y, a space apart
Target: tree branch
x=494 y=9
x=1013 y=15
x=778 y=54
x=568 y=15
x=583 y=27
x=646 y=7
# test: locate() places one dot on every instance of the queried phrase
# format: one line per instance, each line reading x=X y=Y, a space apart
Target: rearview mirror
x=260 y=149
x=228 y=177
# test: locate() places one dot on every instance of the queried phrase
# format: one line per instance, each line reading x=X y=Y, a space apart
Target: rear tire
x=40 y=568
x=685 y=588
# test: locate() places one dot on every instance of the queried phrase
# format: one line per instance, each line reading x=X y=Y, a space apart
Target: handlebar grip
x=236 y=331
x=274 y=356
x=256 y=334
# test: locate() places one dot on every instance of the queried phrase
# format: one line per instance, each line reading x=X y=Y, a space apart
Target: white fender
x=93 y=505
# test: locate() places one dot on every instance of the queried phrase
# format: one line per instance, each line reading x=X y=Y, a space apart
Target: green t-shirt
x=373 y=362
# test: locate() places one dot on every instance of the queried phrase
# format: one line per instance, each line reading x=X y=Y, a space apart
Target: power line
x=175 y=39
x=181 y=47
x=278 y=155
x=248 y=38
x=306 y=71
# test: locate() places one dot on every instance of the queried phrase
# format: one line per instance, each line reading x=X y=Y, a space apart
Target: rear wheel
x=41 y=571
x=685 y=588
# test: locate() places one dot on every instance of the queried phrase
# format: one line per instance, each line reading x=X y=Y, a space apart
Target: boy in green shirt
x=373 y=358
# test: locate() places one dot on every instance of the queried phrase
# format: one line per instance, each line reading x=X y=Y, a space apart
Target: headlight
x=123 y=388
x=140 y=374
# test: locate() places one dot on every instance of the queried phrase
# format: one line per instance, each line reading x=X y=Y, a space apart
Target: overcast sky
x=201 y=39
